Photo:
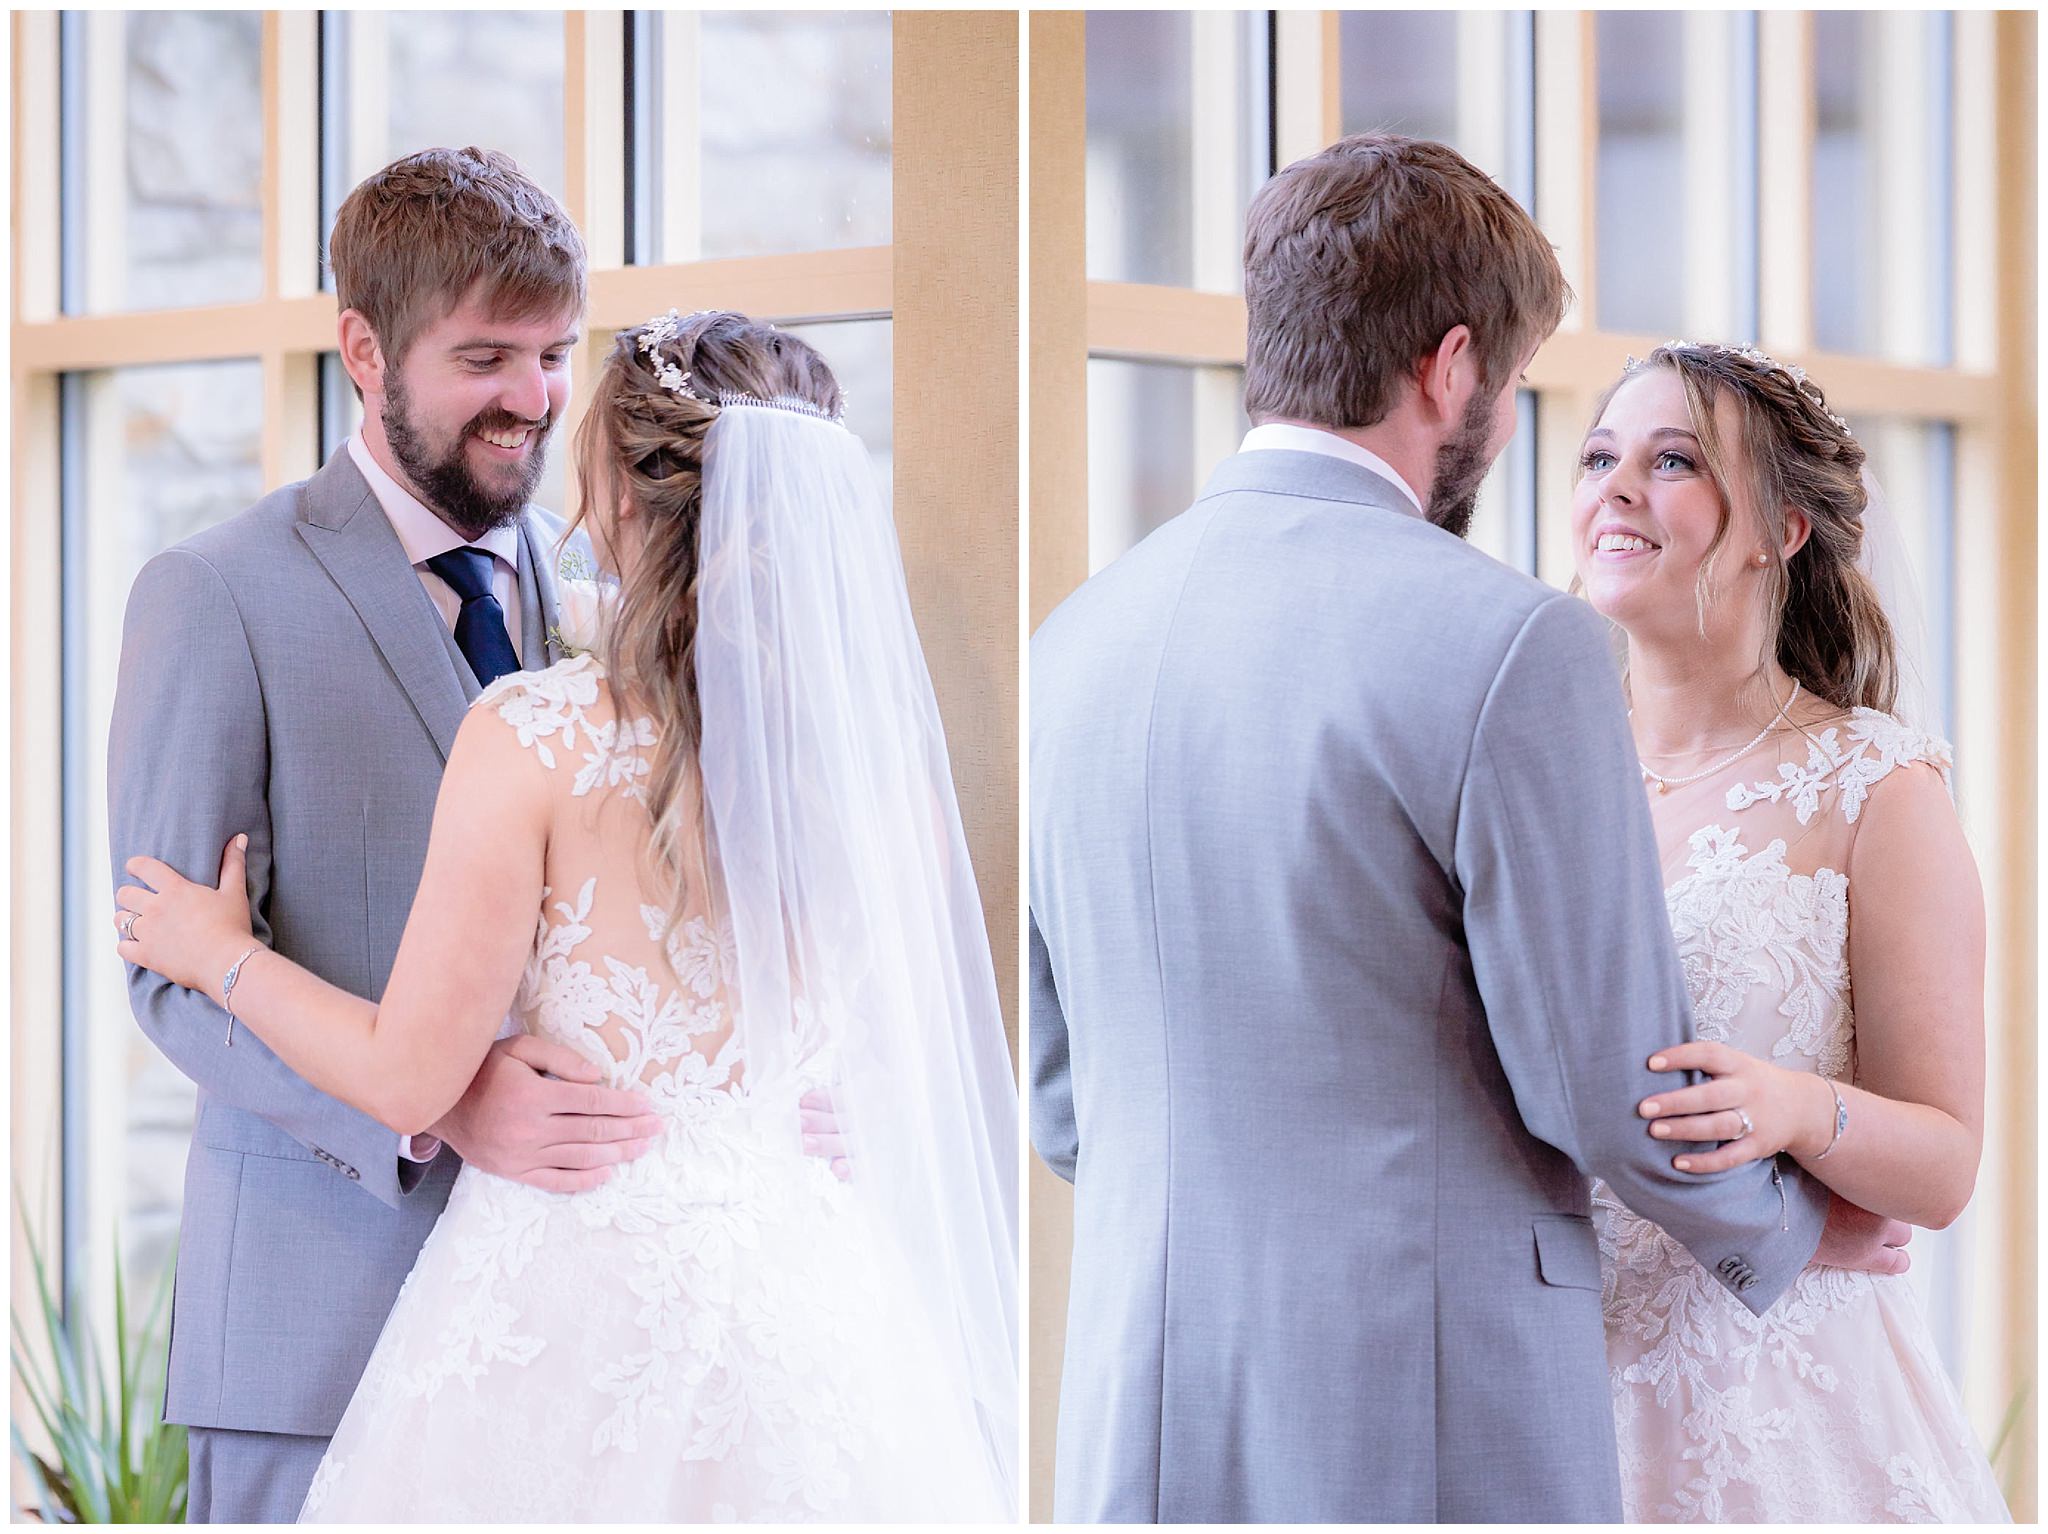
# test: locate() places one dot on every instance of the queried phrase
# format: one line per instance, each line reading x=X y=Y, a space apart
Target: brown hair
x=1358 y=260
x=1829 y=628
x=415 y=239
x=642 y=439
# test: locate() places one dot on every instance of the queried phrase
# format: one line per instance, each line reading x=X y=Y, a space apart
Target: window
x=162 y=183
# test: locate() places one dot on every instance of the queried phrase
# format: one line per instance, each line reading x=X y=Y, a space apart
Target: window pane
x=1168 y=183
x=771 y=132
x=1504 y=521
x=1400 y=73
x=1463 y=78
x=165 y=187
x=1912 y=466
x=1881 y=184
x=862 y=355
x=1843 y=196
x=1155 y=430
x=153 y=455
x=412 y=80
x=1644 y=237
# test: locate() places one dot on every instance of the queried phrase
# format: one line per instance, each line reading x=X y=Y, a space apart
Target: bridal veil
x=862 y=957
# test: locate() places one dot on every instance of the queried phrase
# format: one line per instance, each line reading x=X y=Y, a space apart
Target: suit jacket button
x=1742 y=1284
x=1728 y=1266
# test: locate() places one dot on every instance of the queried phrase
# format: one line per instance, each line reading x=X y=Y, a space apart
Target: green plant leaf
x=114 y=1459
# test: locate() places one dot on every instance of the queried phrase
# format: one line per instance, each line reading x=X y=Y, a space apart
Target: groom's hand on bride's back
x=537 y=1112
x=1868 y=1243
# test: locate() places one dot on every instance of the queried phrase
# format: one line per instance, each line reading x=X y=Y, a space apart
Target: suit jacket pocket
x=1567 y=1252
x=237 y=1129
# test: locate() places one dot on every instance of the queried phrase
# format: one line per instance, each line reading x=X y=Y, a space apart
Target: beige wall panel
x=1060 y=296
x=2014 y=1206
x=956 y=293
x=1059 y=562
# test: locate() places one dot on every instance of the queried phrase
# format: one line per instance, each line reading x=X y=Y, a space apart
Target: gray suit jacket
x=285 y=674
x=1348 y=950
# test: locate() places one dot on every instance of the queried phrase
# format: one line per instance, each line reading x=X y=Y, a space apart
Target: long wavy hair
x=643 y=440
x=1824 y=621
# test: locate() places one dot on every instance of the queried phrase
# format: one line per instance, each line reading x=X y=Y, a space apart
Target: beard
x=443 y=476
x=1461 y=465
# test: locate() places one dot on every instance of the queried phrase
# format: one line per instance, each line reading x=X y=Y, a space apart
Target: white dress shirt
x=1313 y=439
x=425 y=535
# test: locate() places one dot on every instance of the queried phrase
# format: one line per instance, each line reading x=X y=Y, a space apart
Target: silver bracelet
x=227 y=989
x=1841 y=1123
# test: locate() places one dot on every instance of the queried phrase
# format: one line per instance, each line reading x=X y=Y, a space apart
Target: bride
x=719 y=855
x=1807 y=835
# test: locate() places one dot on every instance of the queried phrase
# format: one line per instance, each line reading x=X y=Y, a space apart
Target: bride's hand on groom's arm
x=1754 y=1108
x=538 y=1112
x=188 y=933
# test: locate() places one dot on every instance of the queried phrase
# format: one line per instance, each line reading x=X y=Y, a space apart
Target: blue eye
x=1596 y=460
x=1685 y=464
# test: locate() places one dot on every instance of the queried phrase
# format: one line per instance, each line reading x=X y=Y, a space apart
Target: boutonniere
x=582 y=609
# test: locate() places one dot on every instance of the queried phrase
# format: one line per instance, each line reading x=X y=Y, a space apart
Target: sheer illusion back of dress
x=1834 y=1406
x=624 y=972
x=711 y=1335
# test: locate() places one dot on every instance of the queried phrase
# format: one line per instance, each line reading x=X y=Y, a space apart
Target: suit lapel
x=538 y=613
x=353 y=540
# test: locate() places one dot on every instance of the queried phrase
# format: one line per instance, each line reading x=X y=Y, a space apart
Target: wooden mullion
x=1787 y=113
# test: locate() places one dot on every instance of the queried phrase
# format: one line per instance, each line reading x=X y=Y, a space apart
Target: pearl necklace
x=1665 y=785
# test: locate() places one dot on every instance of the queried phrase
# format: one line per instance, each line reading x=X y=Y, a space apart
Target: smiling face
x=1647 y=518
x=469 y=413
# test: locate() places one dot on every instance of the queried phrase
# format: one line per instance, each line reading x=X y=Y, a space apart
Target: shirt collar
x=422 y=533
x=1313 y=439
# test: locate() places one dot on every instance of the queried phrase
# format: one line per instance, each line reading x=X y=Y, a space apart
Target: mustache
x=503 y=420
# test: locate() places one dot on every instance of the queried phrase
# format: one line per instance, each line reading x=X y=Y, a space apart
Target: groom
x=1348 y=937
x=298 y=674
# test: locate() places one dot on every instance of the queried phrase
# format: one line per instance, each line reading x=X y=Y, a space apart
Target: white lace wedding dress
x=1834 y=1407
x=708 y=1337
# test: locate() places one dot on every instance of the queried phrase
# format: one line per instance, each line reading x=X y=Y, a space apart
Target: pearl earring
x=1762 y=560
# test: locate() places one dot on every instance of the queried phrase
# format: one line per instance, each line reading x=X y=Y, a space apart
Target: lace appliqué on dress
x=703 y=1307
x=1876 y=744
x=1832 y=1405
x=550 y=705
x=1743 y=922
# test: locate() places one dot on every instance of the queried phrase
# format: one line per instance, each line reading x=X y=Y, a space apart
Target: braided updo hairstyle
x=1831 y=632
x=643 y=440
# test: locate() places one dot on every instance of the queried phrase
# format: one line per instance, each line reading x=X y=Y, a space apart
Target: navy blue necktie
x=480 y=626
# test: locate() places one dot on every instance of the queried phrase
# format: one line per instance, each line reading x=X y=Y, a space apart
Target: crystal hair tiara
x=664 y=328
x=1755 y=358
